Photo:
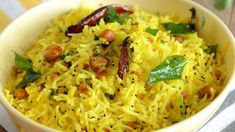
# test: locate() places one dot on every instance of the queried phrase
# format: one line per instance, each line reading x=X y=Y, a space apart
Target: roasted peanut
x=52 y=52
x=180 y=39
x=108 y=35
x=99 y=64
x=15 y=71
x=21 y=93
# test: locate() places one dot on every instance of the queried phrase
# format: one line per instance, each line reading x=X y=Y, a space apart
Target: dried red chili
x=121 y=9
x=124 y=59
x=91 y=19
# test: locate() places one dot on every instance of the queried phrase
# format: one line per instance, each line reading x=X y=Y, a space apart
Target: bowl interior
x=20 y=34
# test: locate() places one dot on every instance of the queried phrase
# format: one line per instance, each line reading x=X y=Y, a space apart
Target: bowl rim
x=221 y=97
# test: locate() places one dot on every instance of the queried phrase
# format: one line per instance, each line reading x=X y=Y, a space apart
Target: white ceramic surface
x=20 y=34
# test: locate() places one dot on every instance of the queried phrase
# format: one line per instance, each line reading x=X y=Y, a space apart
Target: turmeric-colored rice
x=57 y=102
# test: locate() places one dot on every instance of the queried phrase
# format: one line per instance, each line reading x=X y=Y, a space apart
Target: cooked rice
x=60 y=105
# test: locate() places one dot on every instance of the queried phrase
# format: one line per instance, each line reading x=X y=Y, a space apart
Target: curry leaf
x=30 y=76
x=24 y=65
x=122 y=18
x=112 y=16
x=171 y=68
x=152 y=31
x=179 y=28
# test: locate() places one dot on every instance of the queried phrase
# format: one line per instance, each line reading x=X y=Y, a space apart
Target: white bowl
x=20 y=34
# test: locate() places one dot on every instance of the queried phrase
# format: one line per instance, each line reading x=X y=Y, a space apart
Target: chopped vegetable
x=179 y=28
x=24 y=65
x=171 y=68
x=152 y=31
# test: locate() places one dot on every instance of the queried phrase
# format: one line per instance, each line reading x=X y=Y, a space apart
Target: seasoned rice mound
x=74 y=98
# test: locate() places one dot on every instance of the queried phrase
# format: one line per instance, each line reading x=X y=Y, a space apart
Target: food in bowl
x=116 y=68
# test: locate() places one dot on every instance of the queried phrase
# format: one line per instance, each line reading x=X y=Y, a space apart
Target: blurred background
x=223 y=120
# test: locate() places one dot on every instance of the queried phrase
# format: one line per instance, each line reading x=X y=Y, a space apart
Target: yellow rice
x=60 y=105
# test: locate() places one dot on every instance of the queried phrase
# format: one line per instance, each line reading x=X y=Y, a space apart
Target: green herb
x=211 y=49
x=123 y=17
x=179 y=28
x=152 y=31
x=110 y=96
x=24 y=65
x=222 y=4
x=112 y=16
x=171 y=68
x=183 y=107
